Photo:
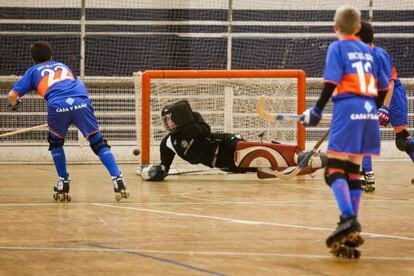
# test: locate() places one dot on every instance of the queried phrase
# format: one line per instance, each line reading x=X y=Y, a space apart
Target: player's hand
x=384 y=115
x=311 y=116
x=18 y=104
x=154 y=173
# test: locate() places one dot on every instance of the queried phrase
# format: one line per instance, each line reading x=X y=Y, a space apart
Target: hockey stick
x=290 y=173
x=261 y=111
x=23 y=130
x=177 y=172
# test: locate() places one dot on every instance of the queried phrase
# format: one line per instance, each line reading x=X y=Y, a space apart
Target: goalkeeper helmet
x=169 y=124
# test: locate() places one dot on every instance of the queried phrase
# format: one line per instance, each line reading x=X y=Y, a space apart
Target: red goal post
x=148 y=76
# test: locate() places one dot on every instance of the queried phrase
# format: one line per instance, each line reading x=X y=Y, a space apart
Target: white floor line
x=103 y=222
x=199 y=253
x=233 y=220
x=218 y=202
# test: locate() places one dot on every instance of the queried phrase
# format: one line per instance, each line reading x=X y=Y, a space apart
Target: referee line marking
x=240 y=221
x=195 y=253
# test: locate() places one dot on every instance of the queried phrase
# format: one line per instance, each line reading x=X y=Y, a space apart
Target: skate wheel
x=336 y=246
x=347 y=252
x=355 y=238
x=336 y=249
x=357 y=254
x=118 y=196
x=126 y=195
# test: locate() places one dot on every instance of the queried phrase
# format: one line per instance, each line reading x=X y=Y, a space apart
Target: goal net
x=227 y=101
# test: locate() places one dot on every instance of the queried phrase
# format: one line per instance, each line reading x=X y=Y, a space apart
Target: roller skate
x=368 y=181
x=345 y=240
x=120 y=188
x=61 y=190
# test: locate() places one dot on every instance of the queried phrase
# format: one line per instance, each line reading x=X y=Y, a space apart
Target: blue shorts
x=73 y=110
x=354 y=128
x=398 y=107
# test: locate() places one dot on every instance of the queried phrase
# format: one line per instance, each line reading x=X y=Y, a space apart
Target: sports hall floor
x=197 y=225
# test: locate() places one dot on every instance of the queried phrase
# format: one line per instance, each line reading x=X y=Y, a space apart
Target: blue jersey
x=398 y=105
x=387 y=65
x=52 y=80
x=352 y=66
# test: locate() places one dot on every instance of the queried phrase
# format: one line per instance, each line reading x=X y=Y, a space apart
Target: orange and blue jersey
x=352 y=66
x=387 y=65
x=398 y=105
x=66 y=96
x=51 y=80
x=356 y=71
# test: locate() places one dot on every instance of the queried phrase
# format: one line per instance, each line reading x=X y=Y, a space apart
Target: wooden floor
x=197 y=225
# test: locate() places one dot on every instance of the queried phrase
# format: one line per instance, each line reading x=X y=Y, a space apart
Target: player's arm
x=19 y=89
x=14 y=101
x=13 y=96
x=167 y=153
x=385 y=85
x=389 y=93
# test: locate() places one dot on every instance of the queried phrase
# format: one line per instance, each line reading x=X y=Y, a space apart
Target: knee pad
x=54 y=141
x=97 y=143
x=402 y=143
x=353 y=174
x=335 y=169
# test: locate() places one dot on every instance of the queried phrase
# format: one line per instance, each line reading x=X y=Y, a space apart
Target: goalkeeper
x=190 y=138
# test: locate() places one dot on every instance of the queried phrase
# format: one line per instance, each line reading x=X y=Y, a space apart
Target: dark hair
x=41 y=51
x=366 y=33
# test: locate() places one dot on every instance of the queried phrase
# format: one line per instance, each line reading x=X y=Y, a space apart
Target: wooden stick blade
x=261 y=111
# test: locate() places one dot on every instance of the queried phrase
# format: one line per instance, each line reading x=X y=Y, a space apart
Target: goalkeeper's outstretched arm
x=166 y=153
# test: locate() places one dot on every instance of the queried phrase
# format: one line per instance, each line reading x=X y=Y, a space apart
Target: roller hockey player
x=392 y=106
x=190 y=138
x=68 y=103
x=352 y=78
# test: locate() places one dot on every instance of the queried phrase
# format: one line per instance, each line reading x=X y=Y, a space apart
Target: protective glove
x=18 y=104
x=311 y=116
x=384 y=115
x=154 y=173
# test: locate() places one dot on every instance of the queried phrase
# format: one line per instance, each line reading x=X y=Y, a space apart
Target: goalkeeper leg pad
x=265 y=155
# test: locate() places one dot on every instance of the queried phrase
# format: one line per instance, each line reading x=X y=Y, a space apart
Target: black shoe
x=346 y=225
x=119 y=183
x=63 y=185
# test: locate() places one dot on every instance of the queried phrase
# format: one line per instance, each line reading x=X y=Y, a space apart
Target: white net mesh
x=125 y=36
